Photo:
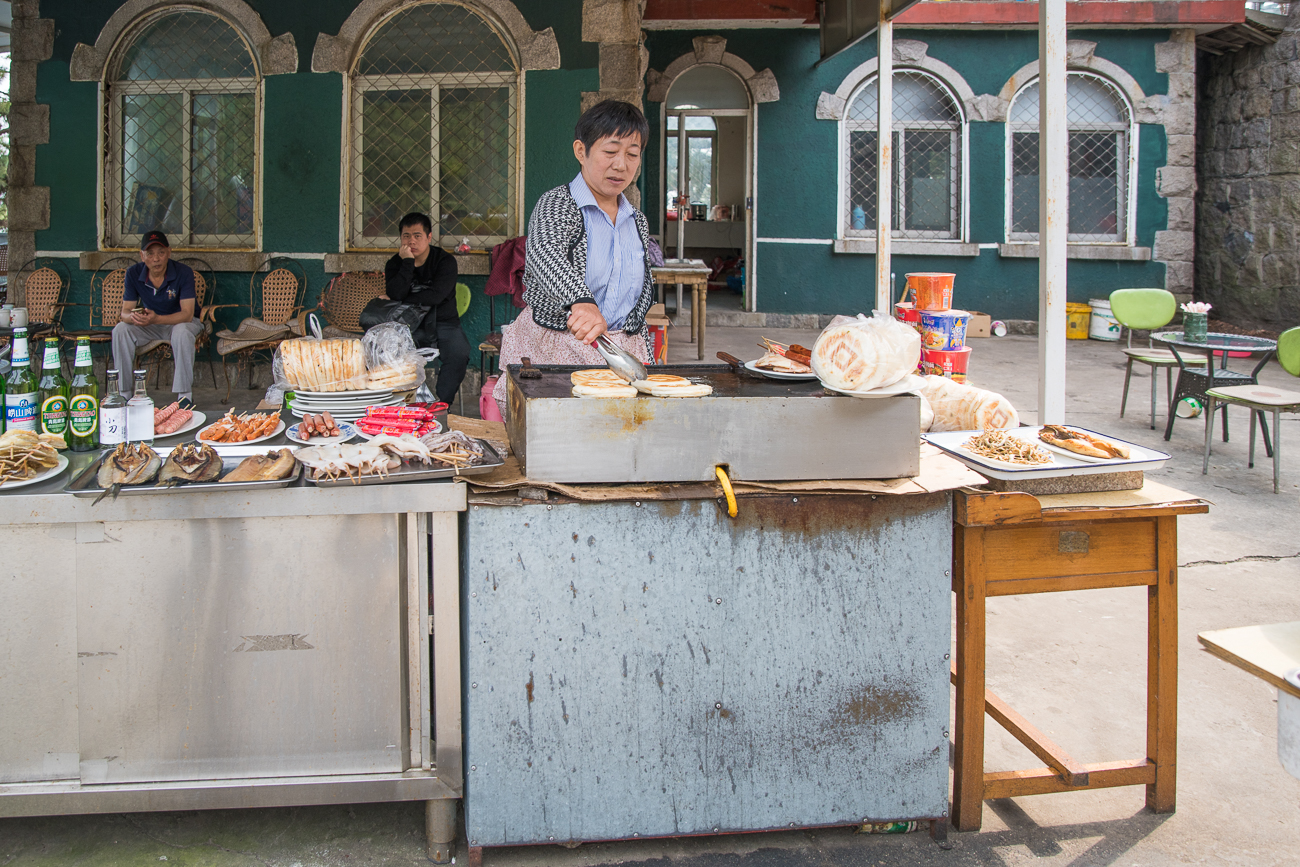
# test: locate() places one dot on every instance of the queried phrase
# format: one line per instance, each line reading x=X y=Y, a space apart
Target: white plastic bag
x=392 y=361
x=862 y=353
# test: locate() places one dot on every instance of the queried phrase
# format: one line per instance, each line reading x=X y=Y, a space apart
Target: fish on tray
x=128 y=464
x=269 y=467
x=190 y=462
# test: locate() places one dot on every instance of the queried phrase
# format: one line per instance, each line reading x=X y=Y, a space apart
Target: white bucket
x=1103 y=325
x=1288 y=726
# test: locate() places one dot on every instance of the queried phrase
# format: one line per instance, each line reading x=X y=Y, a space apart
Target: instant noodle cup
x=943 y=329
x=947 y=363
x=906 y=312
x=931 y=290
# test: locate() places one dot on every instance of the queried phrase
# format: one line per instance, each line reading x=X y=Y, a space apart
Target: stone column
x=616 y=26
x=1176 y=180
x=29 y=126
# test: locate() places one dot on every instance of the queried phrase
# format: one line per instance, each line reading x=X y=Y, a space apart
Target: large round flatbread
x=690 y=389
x=605 y=389
x=658 y=380
x=594 y=376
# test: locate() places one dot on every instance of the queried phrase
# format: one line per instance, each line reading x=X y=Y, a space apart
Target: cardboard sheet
x=1267 y=652
x=938 y=473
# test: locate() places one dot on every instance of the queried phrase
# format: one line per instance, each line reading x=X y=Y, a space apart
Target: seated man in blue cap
x=158 y=304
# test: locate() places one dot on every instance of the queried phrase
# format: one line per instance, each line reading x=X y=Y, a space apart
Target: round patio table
x=1195 y=381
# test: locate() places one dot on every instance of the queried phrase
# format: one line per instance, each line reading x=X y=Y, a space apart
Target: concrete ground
x=1073 y=663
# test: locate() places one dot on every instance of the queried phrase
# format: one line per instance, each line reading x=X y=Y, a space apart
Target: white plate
x=341 y=401
x=345 y=405
x=39 y=477
x=909 y=384
x=359 y=393
x=348 y=431
x=1087 y=459
x=196 y=420
x=1067 y=464
x=776 y=374
x=279 y=429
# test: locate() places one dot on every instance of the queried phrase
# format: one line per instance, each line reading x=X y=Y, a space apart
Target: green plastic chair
x=1147 y=310
x=1260 y=399
x=462 y=299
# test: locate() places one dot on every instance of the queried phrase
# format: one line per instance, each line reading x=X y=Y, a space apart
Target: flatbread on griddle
x=595 y=376
x=689 y=389
x=605 y=389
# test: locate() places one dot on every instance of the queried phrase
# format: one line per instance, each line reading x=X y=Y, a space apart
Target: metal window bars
x=1100 y=159
x=927 y=181
x=182 y=134
x=434 y=127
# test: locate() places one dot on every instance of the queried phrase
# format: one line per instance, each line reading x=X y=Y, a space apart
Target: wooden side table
x=1009 y=544
x=697 y=277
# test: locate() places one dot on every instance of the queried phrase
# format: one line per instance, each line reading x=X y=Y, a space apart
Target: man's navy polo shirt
x=165 y=300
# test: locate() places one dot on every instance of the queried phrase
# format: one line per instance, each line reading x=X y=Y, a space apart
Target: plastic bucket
x=949 y=363
x=1103 y=325
x=1077 y=319
x=931 y=290
x=487 y=405
x=943 y=329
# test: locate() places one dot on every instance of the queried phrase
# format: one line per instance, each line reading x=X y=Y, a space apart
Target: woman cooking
x=587 y=271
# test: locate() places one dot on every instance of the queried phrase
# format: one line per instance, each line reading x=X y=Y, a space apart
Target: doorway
x=707 y=178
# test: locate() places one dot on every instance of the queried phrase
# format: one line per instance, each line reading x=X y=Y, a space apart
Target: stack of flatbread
x=600 y=383
x=395 y=376
x=323 y=365
x=604 y=382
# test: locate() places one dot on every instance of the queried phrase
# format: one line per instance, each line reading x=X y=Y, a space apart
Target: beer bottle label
x=112 y=426
x=54 y=414
x=20 y=411
x=51 y=361
x=83 y=414
x=83 y=355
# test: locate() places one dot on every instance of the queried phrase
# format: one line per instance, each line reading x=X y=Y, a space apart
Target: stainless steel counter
x=230 y=649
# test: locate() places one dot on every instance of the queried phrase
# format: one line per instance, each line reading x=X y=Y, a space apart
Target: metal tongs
x=623 y=364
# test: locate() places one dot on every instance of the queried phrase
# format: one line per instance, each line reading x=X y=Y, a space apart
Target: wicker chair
x=107 y=285
x=275 y=295
x=345 y=298
x=158 y=353
x=42 y=285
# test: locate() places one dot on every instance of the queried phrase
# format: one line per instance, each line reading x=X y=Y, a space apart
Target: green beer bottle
x=21 y=406
x=53 y=392
x=83 y=403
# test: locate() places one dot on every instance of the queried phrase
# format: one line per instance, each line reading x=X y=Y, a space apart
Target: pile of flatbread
x=324 y=365
x=603 y=382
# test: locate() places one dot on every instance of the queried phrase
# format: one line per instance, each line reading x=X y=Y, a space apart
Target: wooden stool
x=696 y=275
x=1011 y=544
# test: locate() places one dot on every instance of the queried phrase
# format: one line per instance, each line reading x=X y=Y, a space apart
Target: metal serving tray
x=409 y=472
x=1062 y=465
x=85 y=483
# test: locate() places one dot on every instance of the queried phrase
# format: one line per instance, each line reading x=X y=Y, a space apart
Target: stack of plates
x=341 y=405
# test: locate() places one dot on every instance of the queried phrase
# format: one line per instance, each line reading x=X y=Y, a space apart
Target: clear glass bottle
x=139 y=413
x=112 y=414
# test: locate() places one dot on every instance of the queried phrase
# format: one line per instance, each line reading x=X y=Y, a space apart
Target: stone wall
x=29 y=126
x=1248 y=207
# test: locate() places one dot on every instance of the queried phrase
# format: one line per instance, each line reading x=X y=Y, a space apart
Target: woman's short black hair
x=609 y=118
x=416 y=218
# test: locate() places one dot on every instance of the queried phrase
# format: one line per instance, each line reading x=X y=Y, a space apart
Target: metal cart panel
x=660 y=669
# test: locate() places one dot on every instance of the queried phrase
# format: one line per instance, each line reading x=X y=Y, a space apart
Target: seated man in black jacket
x=426 y=275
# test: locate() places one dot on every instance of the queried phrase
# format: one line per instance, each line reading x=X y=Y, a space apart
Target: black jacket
x=431 y=285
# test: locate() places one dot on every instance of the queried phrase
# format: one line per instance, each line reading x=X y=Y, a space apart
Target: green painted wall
x=797 y=163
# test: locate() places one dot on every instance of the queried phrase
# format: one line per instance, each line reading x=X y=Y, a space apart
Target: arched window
x=434 y=127
x=184 y=142
x=1102 y=153
x=928 y=141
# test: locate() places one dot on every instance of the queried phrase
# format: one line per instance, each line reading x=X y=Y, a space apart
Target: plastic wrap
x=862 y=353
x=957 y=406
x=927 y=413
x=310 y=364
x=392 y=361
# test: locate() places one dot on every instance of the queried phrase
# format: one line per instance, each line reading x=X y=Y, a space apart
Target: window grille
x=927 y=165
x=1101 y=138
x=182 y=127
x=434 y=128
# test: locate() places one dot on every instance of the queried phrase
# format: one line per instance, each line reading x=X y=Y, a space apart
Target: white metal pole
x=885 y=148
x=1053 y=210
